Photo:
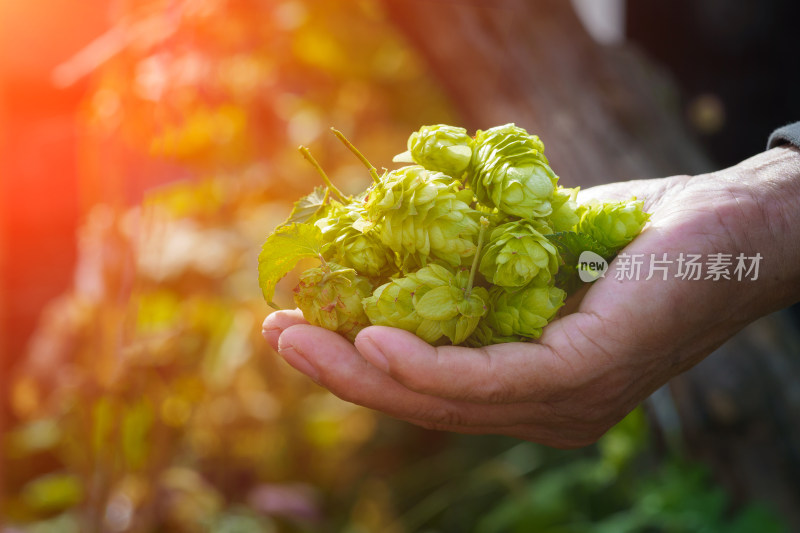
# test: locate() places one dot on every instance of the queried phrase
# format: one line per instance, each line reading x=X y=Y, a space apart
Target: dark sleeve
x=789 y=134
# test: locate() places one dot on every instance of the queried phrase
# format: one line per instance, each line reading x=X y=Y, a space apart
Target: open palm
x=623 y=339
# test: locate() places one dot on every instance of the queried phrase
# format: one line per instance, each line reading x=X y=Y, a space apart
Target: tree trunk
x=605 y=115
x=600 y=111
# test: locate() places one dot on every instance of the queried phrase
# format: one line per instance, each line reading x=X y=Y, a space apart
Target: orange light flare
x=38 y=163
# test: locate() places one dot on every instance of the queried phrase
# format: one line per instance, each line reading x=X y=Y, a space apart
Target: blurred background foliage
x=148 y=400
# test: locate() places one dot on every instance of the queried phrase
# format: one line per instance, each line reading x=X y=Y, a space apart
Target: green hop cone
x=523 y=312
x=419 y=214
x=518 y=254
x=434 y=303
x=347 y=245
x=335 y=219
x=441 y=148
x=330 y=296
x=612 y=224
x=510 y=172
x=413 y=231
x=484 y=335
x=365 y=253
x=565 y=209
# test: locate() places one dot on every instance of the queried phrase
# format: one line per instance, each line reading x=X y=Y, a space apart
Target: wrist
x=771 y=183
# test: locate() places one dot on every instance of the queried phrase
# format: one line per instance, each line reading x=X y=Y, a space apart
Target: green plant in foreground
x=612 y=224
x=518 y=254
x=409 y=251
x=441 y=148
x=330 y=295
x=433 y=302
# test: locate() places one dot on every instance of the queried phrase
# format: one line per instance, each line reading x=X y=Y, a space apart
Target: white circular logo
x=591 y=266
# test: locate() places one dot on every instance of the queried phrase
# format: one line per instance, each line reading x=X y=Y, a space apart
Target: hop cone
x=441 y=148
x=330 y=296
x=511 y=173
x=525 y=311
x=565 y=209
x=518 y=254
x=346 y=245
x=484 y=335
x=432 y=303
x=613 y=224
x=420 y=213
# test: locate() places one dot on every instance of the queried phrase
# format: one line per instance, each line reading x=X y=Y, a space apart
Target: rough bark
x=603 y=113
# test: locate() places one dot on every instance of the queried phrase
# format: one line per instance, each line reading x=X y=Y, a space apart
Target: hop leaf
x=281 y=252
x=613 y=224
x=309 y=208
x=441 y=148
x=330 y=296
x=570 y=247
x=510 y=172
x=571 y=244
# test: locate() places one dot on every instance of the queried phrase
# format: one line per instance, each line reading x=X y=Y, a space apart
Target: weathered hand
x=624 y=338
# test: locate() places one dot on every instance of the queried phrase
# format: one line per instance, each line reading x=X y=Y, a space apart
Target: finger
x=502 y=373
x=650 y=191
x=574 y=300
x=276 y=322
x=608 y=371
x=335 y=364
x=621 y=190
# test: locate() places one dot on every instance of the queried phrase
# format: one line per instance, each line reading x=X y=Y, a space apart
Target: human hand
x=624 y=338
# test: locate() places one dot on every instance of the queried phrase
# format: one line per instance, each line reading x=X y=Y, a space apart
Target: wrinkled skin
x=623 y=340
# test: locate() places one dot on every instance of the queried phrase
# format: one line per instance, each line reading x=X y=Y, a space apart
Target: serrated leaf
x=570 y=246
x=308 y=207
x=281 y=252
x=567 y=279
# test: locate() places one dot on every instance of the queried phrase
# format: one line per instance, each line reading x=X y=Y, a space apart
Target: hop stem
x=372 y=171
x=476 y=259
x=310 y=158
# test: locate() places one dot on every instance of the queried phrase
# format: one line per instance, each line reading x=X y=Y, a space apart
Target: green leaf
x=135 y=426
x=570 y=246
x=281 y=252
x=308 y=207
x=53 y=492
